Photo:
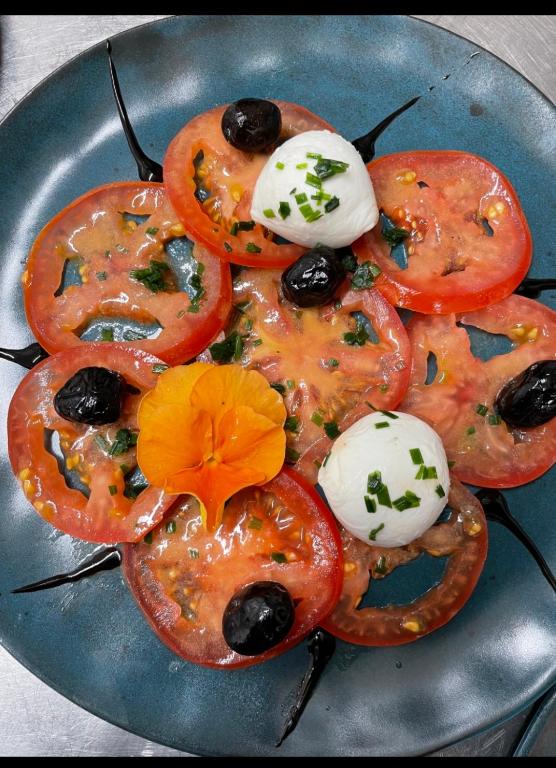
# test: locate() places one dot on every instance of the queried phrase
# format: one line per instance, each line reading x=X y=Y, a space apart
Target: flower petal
x=223 y=387
x=246 y=438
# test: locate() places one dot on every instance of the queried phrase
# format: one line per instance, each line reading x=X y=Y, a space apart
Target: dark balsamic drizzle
x=149 y=170
x=103 y=560
x=532 y=287
x=496 y=509
x=27 y=357
x=365 y=145
x=321 y=646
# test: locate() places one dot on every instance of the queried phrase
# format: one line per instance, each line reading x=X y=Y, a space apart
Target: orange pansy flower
x=210 y=431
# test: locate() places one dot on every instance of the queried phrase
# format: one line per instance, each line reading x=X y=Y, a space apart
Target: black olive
x=314 y=278
x=252 y=125
x=258 y=617
x=529 y=399
x=92 y=396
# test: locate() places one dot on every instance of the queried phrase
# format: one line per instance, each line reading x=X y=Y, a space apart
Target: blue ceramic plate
x=89 y=640
x=539 y=739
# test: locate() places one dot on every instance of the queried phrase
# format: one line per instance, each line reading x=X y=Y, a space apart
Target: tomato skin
x=31 y=412
x=204 y=133
x=319 y=584
x=57 y=320
x=464 y=538
x=485 y=454
x=467 y=269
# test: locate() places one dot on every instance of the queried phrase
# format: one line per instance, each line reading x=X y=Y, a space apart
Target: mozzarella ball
x=347 y=207
x=370 y=454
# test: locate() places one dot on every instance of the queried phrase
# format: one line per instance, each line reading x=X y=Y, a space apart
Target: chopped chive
x=394 y=235
x=107 y=334
x=102 y=275
x=292 y=191
x=148 y=539
x=321 y=197
x=279 y=557
x=113 y=490
x=374 y=481
x=200 y=268
x=370 y=504
x=171 y=526
x=291 y=424
x=313 y=156
x=284 y=210
x=390 y=414
x=246 y=226
x=278 y=387
x=317 y=419
x=102 y=443
x=375 y=531
x=152 y=276
x=255 y=523
x=371 y=406
x=301 y=166
x=332 y=362
x=362 y=277
x=421 y=473
x=349 y=262
x=234 y=228
x=416 y=456
x=412 y=498
x=313 y=181
x=257 y=342
x=290 y=384
x=325 y=168
x=194 y=307
x=332 y=204
x=381 y=424
x=252 y=248
x=280 y=165
x=228 y=247
x=130 y=335
x=383 y=496
x=451 y=464
x=307 y=210
x=331 y=429
x=494 y=419
x=269 y=213
x=193 y=553
x=375 y=269
x=383 y=388
x=230 y=348
x=125 y=439
x=470 y=430
x=314 y=217
x=358 y=337
x=151 y=230
x=381 y=566
x=430 y=473
x=440 y=491
x=301 y=198
x=481 y=409
x=402 y=504
x=292 y=455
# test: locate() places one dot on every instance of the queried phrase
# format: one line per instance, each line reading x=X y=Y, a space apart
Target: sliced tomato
x=183 y=577
x=463 y=539
x=109 y=513
x=210 y=184
x=485 y=452
x=468 y=241
x=98 y=240
x=326 y=381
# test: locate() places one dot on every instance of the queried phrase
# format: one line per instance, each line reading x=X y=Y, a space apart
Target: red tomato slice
x=92 y=236
x=200 y=160
x=453 y=264
x=492 y=455
x=464 y=539
x=326 y=382
x=108 y=515
x=184 y=577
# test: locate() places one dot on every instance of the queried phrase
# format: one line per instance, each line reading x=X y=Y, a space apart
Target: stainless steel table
x=34 y=720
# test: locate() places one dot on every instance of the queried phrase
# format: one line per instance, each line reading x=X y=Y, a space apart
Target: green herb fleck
x=381 y=566
x=451 y=464
x=370 y=504
x=291 y=424
x=325 y=168
x=113 y=490
x=332 y=362
x=421 y=473
x=107 y=334
x=332 y=204
x=290 y=384
x=374 y=481
x=102 y=275
x=151 y=230
x=252 y=248
x=301 y=166
x=470 y=430
x=481 y=409
x=373 y=534
x=125 y=439
x=331 y=429
x=383 y=388
x=358 y=337
x=416 y=456
x=284 y=210
x=313 y=181
x=228 y=247
x=362 y=277
x=317 y=463
x=292 y=455
x=440 y=491
x=313 y=156
x=349 y=262
x=148 y=539
x=301 y=198
x=394 y=235
x=102 y=443
x=430 y=473
x=171 y=526
x=152 y=277
x=383 y=496
x=278 y=387
x=234 y=228
x=257 y=342
x=494 y=419
x=280 y=165
x=381 y=424
x=255 y=523
x=246 y=226
x=317 y=419
x=269 y=213
x=279 y=557
x=229 y=349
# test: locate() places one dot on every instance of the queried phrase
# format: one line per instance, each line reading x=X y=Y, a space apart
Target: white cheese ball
x=363 y=449
x=356 y=213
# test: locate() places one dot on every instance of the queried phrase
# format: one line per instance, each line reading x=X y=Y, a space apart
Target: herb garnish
x=252 y=248
x=255 y=523
x=416 y=456
x=284 y=210
x=279 y=557
x=481 y=409
x=370 y=504
x=125 y=439
x=394 y=235
x=381 y=566
x=375 y=531
x=152 y=277
x=291 y=424
x=358 y=337
x=107 y=334
x=440 y=491
x=229 y=349
x=331 y=429
x=381 y=424
x=171 y=526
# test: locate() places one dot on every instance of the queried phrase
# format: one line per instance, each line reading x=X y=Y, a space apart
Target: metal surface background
x=35 y=720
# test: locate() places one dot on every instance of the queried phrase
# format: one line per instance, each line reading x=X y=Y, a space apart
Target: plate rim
x=24 y=102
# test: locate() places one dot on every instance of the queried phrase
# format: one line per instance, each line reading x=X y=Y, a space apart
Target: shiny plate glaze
x=88 y=640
